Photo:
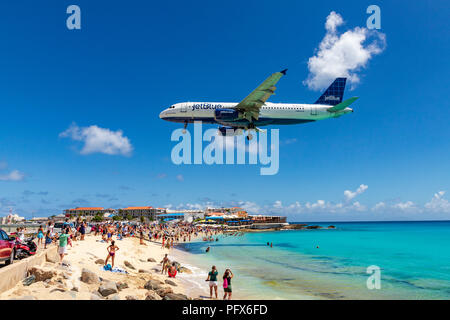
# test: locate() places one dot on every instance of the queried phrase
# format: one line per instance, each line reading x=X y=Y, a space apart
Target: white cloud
x=14 y=175
x=402 y=209
x=99 y=140
x=438 y=203
x=342 y=55
x=379 y=206
x=405 y=206
x=349 y=195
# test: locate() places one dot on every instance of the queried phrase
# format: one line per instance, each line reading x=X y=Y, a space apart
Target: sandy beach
x=142 y=262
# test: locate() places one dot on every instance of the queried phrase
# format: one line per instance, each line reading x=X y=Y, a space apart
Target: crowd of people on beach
x=168 y=235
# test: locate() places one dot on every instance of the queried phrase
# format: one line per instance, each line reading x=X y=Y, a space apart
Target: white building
x=11 y=218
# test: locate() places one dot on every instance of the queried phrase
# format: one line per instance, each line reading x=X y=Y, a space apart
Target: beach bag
x=225 y=283
x=107 y=267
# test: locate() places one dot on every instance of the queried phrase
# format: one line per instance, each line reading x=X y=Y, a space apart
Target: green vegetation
x=97 y=218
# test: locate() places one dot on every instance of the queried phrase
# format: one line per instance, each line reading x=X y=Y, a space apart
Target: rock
x=114 y=297
x=107 y=288
x=170 y=282
x=131 y=298
x=29 y=280
x=164 y=291
x=88 y=276
x=25 y=298
x=100 y=261
x=152 y=295
x=57 y=289
x=129 y=265
x=153 y=285
x=66 y=264
x=52 y=256
x=122 y=285
x=313 y=227
x=175 y=296
x=331 y=227
x=75 y=289
x=185 y=270
x=156 y=269
x=42 y=274
x=151 y=260
x=95 y=297
x=144 y=271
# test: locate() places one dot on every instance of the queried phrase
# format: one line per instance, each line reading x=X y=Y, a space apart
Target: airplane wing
x=341 y=106
x=249 y=107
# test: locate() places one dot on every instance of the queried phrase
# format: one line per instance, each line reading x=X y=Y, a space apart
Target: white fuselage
x=270 y=113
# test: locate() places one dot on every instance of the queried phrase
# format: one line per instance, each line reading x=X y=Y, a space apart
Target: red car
x=6 y=248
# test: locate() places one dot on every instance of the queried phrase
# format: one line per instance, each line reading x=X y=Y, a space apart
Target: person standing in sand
x=227 y=284
x=112 y=248
x=165 y=264
x=212 y=278
x=62 y=247
x=40 y=235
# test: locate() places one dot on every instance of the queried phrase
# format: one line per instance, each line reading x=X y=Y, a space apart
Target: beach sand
x=66 y=284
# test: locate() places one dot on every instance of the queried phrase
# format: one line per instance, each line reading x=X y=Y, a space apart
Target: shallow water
x=414 y=258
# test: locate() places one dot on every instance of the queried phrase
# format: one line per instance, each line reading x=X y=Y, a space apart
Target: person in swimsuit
x=48 y=239
x=165 y=264
x=111 y=253
x=141 y=236
x=172 y=271
x=40 y=235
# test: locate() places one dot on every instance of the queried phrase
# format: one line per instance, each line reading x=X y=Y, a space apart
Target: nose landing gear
x=185 y=126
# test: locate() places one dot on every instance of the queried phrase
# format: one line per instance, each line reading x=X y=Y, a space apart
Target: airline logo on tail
x=333 y=95
x=332 y=98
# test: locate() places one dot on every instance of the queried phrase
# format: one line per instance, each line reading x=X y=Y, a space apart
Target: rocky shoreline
x=289 y=227
x=81 y=276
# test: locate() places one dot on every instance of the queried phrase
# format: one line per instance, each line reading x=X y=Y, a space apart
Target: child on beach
x=111 y=253
x=48 y=239
x=172 y=271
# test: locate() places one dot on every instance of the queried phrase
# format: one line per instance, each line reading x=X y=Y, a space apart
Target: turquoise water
x=414 y=258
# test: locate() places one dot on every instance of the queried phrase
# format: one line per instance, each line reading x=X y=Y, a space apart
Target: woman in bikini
x=111 y=253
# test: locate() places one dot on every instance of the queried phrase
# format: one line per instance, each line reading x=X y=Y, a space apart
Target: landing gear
x=185 y=126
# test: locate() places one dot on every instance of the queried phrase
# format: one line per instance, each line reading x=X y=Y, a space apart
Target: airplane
x=254 y=111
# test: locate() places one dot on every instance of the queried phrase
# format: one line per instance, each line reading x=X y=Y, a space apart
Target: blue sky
x=131 y=60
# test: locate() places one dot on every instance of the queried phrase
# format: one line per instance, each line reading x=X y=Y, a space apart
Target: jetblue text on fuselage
x=197 y=106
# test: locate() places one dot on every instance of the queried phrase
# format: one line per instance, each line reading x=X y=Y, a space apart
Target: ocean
x=413 y=260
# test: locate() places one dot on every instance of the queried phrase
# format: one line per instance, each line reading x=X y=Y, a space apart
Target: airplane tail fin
x=334 y=94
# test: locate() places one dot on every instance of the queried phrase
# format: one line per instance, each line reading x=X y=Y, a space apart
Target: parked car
x=59 y=227
x=6 y=248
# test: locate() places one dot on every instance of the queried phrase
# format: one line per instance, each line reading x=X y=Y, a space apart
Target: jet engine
x=226 y=114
